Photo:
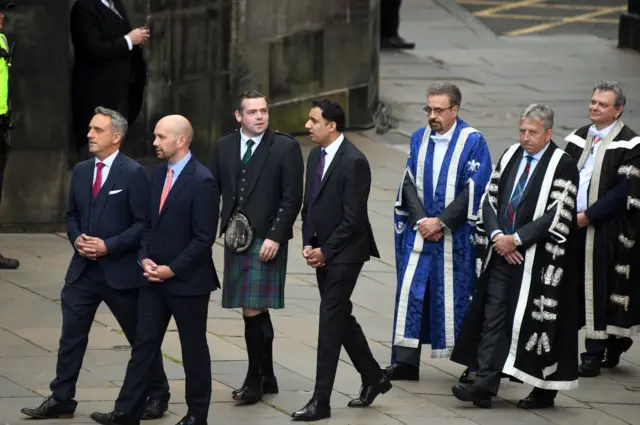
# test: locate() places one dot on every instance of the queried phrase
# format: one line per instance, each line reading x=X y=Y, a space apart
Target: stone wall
x=201 y=55
x=295 y=51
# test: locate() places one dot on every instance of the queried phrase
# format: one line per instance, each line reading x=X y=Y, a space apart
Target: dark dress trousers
x=180 y=236
x=119 y=216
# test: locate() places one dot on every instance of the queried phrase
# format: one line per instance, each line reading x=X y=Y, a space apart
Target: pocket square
x=113 y=192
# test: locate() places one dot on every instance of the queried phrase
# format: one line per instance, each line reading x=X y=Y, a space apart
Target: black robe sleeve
x=411 y=201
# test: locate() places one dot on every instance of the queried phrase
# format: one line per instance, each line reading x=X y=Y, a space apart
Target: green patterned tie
x=247 y=154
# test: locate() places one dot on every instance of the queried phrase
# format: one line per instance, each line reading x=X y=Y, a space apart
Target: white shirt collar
x=109 y=160
x=333 y=147
x=244 y=138
x=601 y=133
x=446 y=137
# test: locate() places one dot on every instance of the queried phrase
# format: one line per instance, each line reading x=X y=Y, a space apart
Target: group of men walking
x=499 y=270
x=145 y=250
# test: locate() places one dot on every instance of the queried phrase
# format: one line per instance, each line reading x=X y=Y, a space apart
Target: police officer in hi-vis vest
x=5 y=118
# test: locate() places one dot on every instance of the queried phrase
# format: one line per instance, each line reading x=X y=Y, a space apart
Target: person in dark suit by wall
x=106 y=217
x=179 y=276
x=338 y=240
x=389 y=24
x=260 y=174
x=109 y=68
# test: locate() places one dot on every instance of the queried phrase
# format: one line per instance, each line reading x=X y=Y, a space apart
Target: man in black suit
x=338 y=240
x=106 y=217
x=259 y=173
x=179 y=276
x=109 y=68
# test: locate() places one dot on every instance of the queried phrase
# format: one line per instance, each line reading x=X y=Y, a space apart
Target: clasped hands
x=155 y=273
x=505 y=246
x=90 y=247
x=431 y=229
x=314 y=256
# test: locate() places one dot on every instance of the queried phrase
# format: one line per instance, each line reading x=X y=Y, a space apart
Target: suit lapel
x=177 y=186
x=311 y=166
x=103 y=196
x=258 y=158
x=234 y=161
x=86 y=181
x=156 y=193
x=334 y=163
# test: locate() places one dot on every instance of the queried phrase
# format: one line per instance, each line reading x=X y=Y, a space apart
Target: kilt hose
x=251 y=283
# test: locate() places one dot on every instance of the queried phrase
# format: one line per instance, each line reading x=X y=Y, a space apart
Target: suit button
x=277 y=219
x=244 y=180
x=273 y=228
x=244 y=171
x=234 y=198
x=242 y=189
x=241 y=198
x=280 y=209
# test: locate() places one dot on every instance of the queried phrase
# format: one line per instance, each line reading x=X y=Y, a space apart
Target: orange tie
x=166 y=188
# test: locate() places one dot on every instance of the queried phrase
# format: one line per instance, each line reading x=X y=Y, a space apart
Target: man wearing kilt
x=260 y=175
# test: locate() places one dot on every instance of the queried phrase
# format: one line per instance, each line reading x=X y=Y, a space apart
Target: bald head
x=173 y=136
x=178 y=126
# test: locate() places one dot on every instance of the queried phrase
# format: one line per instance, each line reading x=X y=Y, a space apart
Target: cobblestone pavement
x=498 y=78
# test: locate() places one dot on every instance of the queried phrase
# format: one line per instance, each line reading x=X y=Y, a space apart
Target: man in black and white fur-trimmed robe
x=522 y=321
x=607 y=153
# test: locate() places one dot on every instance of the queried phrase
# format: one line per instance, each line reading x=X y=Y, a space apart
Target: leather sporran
x=239 y=233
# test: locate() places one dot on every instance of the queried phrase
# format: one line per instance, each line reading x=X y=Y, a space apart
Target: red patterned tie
x=97 y=184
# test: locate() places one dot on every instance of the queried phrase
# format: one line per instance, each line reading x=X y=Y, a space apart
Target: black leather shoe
x=368 y=393
x=465 y=392
x=191 y=420
x=402 y=372
x=532 y=402
x=467 y=377
x=313 y=411
x=249 y=394
x=269 y=386
x=614 y=351
x=8 y=263
x=155 y=408
x=396 y=43
x=589 y=368
x=49 y=409
x=114 y=418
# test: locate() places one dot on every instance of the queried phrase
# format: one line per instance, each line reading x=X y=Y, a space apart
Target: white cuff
x=494 y=233
x=517 y=239
x=129 y=42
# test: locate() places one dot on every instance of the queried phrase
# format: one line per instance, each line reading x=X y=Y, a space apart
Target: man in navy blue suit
x=179 y=276
x=106 y=218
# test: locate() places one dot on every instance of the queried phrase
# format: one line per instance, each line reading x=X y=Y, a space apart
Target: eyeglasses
x=438 y=111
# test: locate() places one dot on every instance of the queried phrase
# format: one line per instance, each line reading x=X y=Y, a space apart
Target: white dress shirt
x=105 y=170
x=523 y=163
x=587 y=168
x=440 y=146
x=331 y=151
x=243 y=143
x=126 y=37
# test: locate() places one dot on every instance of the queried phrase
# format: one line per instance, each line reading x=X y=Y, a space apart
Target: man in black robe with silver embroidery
x=607 y=153
x=521 y=322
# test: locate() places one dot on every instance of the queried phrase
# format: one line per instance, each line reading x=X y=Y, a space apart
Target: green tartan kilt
x=251 y=283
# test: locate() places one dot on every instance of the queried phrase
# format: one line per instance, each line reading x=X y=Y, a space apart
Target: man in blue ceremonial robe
x=447 y=171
